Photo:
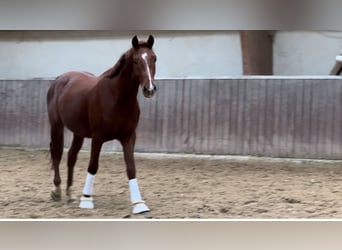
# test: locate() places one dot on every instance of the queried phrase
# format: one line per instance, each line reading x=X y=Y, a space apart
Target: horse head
x=144 y=61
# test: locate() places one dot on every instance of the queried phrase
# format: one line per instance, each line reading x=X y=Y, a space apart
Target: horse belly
x=78 y=126
x=73 y=112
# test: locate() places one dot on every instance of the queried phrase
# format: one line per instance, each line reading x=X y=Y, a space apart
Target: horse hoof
x=70 y=200
x=86 y=202
x=55 y=196
x=140 y=208
x=69 y=195
x=142 y=215
x=147 y=215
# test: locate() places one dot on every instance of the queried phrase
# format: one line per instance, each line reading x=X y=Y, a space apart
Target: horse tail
x=56 y=126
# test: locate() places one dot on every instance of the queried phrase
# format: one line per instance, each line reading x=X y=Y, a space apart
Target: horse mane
x=117 y=68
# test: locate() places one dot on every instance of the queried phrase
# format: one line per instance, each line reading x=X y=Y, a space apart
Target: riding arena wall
x=196 y=53
x=298 y=117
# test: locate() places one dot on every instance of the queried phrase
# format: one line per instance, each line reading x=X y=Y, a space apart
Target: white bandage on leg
x=134 y=191
x=139 y=205
x=89 y=185
x=87 y=202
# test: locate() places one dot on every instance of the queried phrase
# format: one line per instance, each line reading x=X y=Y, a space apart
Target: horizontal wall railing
x=297 y=117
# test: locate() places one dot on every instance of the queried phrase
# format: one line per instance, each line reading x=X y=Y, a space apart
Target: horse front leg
x=87 y=199
x=138 y=203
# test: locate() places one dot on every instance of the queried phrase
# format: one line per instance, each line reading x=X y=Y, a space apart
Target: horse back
x=68 y=100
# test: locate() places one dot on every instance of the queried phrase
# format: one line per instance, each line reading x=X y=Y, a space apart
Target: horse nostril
x=149 y=89
x=149 y=92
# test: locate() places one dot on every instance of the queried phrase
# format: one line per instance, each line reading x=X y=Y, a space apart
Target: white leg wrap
x=139 y=205
x=134 y=191
x=89 y=184
x=87 y=202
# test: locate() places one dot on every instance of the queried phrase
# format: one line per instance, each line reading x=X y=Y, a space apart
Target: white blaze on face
x=144 y=57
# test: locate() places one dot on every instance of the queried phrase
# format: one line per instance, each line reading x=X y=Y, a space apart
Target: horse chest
x=120 y=123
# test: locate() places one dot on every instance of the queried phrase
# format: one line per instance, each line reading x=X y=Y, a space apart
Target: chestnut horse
x=102 y=108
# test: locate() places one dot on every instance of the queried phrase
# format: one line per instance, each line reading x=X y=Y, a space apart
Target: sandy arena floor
x=175 y=187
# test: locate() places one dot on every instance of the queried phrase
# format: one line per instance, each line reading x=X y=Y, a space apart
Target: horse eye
x=135 y=61
x=154 y=59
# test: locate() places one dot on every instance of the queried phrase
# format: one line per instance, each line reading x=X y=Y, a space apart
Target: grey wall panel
x=262 y=116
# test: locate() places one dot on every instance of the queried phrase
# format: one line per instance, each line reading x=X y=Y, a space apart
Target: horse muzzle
x=149 y=92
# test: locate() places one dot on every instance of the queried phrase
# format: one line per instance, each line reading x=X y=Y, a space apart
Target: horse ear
x=150 y=41
x=135 y=42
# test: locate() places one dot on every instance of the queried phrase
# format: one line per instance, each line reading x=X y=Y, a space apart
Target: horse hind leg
x=56 y=151
x=72 y=158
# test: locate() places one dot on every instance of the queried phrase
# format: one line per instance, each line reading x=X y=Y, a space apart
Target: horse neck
x=126 y=85
x=123 y=86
